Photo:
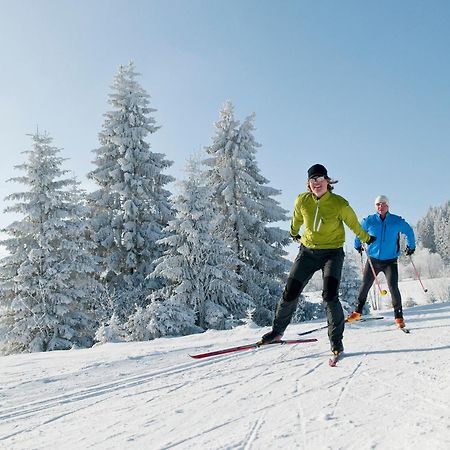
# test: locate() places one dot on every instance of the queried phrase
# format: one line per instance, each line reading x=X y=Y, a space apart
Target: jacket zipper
x=383 y=229
x=316 y=228
x=381 y=237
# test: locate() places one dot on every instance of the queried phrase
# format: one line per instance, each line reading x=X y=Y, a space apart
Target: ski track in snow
x=43 y=405
x=344 y=389
x=101 y=389
x=253 y=432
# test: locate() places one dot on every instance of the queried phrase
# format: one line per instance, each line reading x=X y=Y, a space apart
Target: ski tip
x=332 y=362
x=368 y=319
x=306 y=340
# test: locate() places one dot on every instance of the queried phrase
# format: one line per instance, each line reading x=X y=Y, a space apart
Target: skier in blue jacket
x=384 y=253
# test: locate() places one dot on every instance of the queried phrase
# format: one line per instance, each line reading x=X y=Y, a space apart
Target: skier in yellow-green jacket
x=322 y=215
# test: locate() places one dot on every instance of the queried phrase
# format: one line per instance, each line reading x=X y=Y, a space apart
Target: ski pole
x=312 y=331
x=382 y=291
x=362 y=264
x=417 y=274
x=367 y=319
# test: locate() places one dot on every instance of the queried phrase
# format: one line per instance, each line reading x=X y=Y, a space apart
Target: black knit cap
x=317 y=170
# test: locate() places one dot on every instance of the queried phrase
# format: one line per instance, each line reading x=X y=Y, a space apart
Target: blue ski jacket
x=387 y=232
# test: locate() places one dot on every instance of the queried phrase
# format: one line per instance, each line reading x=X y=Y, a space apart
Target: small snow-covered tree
x=248 y=320
x=241 y=196
x=46 y=282
x=112 y=331
x=131 y=206
x=307 y=310
x=197 y=267
x=350 y=283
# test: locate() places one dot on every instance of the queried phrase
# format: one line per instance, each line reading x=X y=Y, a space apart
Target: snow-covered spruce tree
x=131 y=206
x=47 y=287
x=241 y=196
x=442 y=232
x=197 y=267
x=433 y=231
x=425 y=231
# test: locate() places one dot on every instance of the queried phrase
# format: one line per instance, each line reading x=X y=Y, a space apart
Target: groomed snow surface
x=391 y=391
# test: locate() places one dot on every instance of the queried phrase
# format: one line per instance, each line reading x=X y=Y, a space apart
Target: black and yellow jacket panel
x=323 y=220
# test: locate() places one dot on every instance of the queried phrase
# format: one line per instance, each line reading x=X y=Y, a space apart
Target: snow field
x=391 y=391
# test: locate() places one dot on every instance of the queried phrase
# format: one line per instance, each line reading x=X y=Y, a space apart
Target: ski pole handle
x=382 y=291
x=417 y=274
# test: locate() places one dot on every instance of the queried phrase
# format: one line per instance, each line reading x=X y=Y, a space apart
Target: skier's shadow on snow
x=389 y=329
x=428 y=308
x=399 y=350
x=411 y=318
x=435 y=327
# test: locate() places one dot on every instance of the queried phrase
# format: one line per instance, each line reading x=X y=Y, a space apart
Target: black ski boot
x=270 y=337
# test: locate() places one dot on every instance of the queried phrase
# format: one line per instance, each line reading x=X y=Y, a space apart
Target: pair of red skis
x=241 y=348
x=255 y=345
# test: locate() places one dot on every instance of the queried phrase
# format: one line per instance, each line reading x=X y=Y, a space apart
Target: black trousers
x=307 y=262
x=390 y=269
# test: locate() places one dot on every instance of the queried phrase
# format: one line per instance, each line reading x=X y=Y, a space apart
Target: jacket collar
x=324 y=196
x=385 y=217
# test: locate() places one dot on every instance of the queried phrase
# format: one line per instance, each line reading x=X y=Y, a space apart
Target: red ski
x=241 y=348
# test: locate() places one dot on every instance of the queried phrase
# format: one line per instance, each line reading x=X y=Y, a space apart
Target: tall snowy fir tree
x=131 y=206
x=46 y=281
x=241 y=195
x=197 y=268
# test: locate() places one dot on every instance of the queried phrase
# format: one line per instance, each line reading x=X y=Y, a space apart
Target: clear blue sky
x=360 y=86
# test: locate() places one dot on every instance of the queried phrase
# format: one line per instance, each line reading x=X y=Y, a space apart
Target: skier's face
x=318 y=186
x=382 y=208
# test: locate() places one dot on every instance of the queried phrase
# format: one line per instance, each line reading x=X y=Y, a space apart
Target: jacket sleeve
x=297 y=217
x=357 y=240
x=350 y=219
x=407 y=230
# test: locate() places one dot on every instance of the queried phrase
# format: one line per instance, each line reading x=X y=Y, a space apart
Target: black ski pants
x=307 y=262
x=390 y=269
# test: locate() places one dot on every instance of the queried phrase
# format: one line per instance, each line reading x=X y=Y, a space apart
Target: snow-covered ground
x=391 y=391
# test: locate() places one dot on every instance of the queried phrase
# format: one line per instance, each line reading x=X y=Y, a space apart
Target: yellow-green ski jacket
x=323 y=220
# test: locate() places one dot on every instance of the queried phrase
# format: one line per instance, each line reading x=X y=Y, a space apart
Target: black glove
x=409 y=251
x=296 y=238
x=371 y=239
x=359 y=249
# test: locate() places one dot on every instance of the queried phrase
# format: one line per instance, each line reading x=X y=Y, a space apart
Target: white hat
x=382 y=199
